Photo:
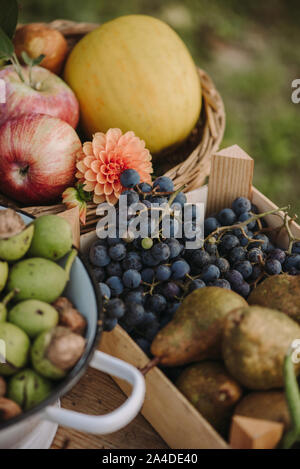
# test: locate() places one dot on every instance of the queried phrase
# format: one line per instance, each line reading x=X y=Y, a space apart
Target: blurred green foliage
x=251 y=49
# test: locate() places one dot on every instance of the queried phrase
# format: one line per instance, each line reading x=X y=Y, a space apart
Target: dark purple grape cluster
x=143 y=281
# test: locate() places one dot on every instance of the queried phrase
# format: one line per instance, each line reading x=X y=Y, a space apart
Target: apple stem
x=17 y=66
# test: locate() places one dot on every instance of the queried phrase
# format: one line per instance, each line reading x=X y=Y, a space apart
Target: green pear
x=28 y=389
x=210 y=388
x=33 y=317
x=265 y=405
x=14 y=348
x=52 y=237
x=3 y=274
x=39 y=279
x=56 y=351
x=255 y=342
x=195 y=333
x=14 y=248
x=281 y=292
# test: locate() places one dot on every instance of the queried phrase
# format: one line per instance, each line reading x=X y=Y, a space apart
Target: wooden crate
x=168 y=411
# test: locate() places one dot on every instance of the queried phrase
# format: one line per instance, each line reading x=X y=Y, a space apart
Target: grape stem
x=170 y=201
x=292 y=239
x=243 y=224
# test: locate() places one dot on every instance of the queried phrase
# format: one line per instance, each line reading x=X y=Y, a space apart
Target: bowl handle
x=118 y=418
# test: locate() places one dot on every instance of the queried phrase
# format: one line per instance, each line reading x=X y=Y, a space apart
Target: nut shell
x=11 y=223
x=69 y=316
x=8 y=409
x=2 y=387
x=65 y=348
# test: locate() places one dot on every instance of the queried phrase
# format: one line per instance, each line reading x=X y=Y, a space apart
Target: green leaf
x=32 y=62
x=26 y=58
x=38 y=60
x=84 y=195
x=9 y=11
x=6 y=45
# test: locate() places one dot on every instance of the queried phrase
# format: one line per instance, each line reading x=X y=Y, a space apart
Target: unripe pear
x=39 y=279
x=17 y=346
x=3 y=274
x=52 y=237
x=33 y=317
x=28 y=389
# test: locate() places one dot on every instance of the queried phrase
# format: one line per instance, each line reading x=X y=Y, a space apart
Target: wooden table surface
x=96 y=393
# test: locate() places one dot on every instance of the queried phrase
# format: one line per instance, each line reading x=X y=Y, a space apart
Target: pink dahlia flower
x=103 y=160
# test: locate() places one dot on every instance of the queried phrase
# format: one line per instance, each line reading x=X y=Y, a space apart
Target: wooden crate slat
x=231 y=177
x=182 y=427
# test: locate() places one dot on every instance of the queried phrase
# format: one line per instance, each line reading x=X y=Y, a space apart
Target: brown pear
x=213 y=392
x=265 y=405
x=255 y=342
x=195 y=332
x=280 y=292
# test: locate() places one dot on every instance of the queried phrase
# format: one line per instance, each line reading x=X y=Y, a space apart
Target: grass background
x=251 y=49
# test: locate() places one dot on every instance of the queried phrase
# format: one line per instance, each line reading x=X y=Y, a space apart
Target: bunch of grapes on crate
x=144 y=280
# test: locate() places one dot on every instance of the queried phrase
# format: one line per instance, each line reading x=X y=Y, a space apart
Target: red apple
x=36 y=39
x=48 y=94
x=37 y=158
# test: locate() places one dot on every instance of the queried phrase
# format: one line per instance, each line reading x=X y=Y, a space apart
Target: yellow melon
x=135 y=73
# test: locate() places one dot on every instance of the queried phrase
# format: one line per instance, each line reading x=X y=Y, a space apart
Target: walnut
x=8 y=409
x=65 y=348
x=2 y=387
x=11 y=223
x=69 y=316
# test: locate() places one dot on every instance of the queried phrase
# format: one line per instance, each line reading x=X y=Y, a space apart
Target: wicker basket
x=188 y=164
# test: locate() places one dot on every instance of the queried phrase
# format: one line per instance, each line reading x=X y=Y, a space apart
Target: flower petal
x=88 y=161
x=117 y=186
x=90 y=175
x=81 y=166
x=96 y=165
x=112 y=199
x=99 y=189
x=99 y=143
x=108 y=189
x=98 y=199
x=79 y=175
x=101 y=178
x=112 y=138
x=103 y=156
x=88 y=149
x=89 y=186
